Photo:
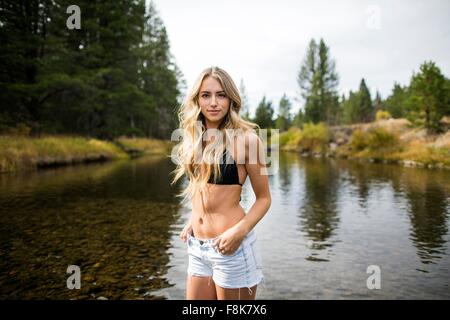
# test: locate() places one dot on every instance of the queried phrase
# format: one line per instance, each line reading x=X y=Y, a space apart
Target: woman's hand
x=229 y=241
x=186 y=230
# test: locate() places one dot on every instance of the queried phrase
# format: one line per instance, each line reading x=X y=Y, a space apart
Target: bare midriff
x=218 y=210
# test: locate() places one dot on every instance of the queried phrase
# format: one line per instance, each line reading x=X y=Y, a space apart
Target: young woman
x=219 y=150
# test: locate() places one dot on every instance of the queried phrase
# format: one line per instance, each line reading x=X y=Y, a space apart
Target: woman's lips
x=214 y=112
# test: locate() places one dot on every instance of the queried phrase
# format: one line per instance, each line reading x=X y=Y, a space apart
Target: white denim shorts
x=242 y=269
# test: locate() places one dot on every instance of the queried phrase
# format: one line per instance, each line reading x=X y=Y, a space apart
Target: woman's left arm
x=256 y=166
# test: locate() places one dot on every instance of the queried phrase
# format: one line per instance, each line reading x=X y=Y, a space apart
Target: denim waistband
x=209 y=242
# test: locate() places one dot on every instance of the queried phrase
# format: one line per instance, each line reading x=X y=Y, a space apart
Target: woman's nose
x=213 y=100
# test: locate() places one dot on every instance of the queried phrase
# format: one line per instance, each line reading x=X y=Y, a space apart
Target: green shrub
x=379 y=138
x=290 y=137
x=374 y=139
x=314 y=137
x=382 y=115
x=358 y=140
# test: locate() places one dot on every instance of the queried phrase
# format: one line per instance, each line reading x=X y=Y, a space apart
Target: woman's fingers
x=183 y=235
x=221 y=246
x=217 y=244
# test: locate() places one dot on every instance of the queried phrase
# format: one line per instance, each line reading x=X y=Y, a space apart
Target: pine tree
x=358 y=106
x=159 y=76
x=350 y=108
x=328 y=82
x=283 y=120
x=396 y=102
x=378 y=102
x=264 y=114
x=318 y=81
x=366 y=111
x=299 y=119
x=429 y=96
x=308 y=83
x=23 y=31
x=114 y=76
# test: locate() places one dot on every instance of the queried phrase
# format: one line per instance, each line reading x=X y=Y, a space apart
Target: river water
x=331 y=224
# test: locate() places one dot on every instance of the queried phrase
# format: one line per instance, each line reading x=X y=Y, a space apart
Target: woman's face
x=213 y=101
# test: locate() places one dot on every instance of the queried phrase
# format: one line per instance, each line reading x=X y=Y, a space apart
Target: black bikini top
x=228 y=172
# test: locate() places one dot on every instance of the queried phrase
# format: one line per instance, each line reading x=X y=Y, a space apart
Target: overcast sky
x=264 y=42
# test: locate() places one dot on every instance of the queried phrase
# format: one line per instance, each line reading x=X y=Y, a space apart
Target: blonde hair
x=192 y=125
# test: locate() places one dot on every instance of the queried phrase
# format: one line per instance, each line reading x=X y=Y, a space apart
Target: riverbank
x=384 y=141
x=19 y=153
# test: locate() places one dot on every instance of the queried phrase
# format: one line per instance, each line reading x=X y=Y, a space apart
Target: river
x=331 y=223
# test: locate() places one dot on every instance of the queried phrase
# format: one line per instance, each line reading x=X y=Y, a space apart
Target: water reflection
x=318 y=215
x=112 y=220
x=285 y=172
x=425 y=194
x=428 y=211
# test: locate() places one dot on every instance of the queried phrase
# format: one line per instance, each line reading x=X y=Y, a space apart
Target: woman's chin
x=215 y=119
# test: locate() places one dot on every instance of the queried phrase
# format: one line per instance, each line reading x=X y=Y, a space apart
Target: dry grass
x=145 y=145
x=25 y=153
x=412 y=146
x=313 y=138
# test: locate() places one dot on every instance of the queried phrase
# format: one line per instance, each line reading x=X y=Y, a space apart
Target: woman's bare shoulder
x=251 y=138
x=245 y=142
x=254 y=147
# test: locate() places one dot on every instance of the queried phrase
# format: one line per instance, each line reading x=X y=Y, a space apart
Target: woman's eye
x=204 y=95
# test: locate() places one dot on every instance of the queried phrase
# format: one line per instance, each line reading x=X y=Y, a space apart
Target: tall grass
x=384 y=140
x=25 y=153
x=380 y=144
x=425 y=154
x=375 y=139
x=145 y=145
x=313 y=138
x=290 y=139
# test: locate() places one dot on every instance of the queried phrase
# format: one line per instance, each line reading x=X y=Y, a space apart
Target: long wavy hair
x=194 y=161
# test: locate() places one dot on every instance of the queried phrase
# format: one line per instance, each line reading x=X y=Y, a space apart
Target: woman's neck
x=211 y=125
